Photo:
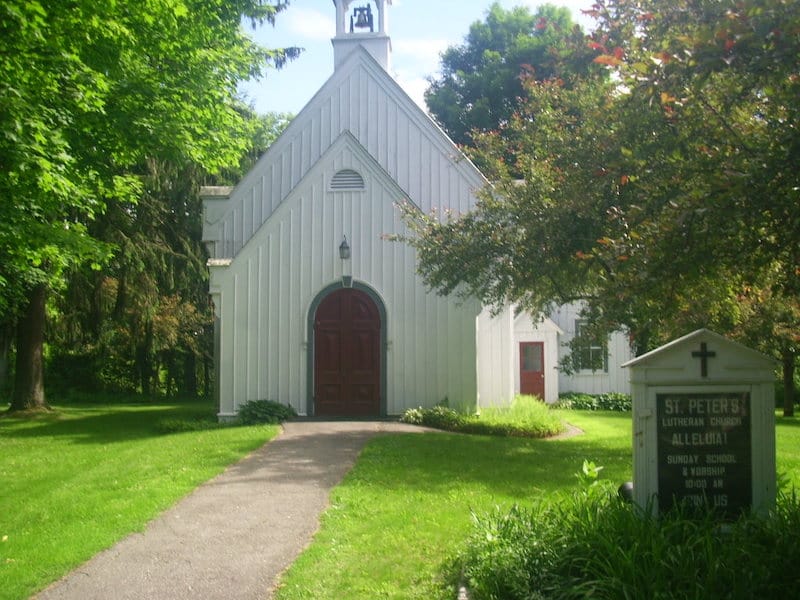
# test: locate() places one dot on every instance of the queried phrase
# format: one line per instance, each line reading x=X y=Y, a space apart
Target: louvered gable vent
x=347 y=180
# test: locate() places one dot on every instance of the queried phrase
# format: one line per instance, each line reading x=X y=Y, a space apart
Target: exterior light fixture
x=344 y=249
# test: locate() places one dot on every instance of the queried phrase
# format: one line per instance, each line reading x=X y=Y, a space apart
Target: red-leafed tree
x=666 y=197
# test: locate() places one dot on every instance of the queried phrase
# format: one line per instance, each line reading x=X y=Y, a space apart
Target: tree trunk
x=144 y=361
x=788 y=383
x=6 y=337
x=29 y=377
x=206 y=377
x=190 y=374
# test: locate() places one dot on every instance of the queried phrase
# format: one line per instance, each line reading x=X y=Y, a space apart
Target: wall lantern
x=344 y=249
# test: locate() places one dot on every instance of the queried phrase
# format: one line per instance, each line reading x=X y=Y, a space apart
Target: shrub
x=256 y=412
x=526 y=413
x=72 y=371
x=577 y=401
x=413 y=416
x=592 y=545
x=526 y=417
x=442 y=417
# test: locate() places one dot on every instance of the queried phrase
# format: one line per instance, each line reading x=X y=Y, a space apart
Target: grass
x=78 y=479
x=525 y=412
x=787 y=443
x=527 y=416
x=405 y=510
x=591 y=545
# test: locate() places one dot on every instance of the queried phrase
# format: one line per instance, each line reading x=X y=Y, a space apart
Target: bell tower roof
x=365 y=25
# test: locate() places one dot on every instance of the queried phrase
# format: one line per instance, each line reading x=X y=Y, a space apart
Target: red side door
x=347 y=333
x=531 y=368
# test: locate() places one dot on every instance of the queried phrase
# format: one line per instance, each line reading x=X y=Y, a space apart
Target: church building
x=316 y=308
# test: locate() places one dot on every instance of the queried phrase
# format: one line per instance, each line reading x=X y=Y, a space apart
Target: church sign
x=703 y=426
x=704 y=450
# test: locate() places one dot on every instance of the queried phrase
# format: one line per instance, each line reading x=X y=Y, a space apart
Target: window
x=347 y=180
x=589 y=350
x=531 y=357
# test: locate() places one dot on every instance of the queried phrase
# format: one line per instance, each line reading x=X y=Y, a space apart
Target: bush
x=595 y=546
x=526 y=413
x=438 y=417
x=522 y=419
x=577 y=401
x=256 y=412
x=72 y=371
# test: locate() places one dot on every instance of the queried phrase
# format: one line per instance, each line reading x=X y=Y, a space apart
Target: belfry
x=364 y=26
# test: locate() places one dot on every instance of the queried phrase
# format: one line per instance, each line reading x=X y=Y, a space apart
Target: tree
x=664 y=197
x=480 y=85
x=264 y=130
x=88 y=93
x=143 y=322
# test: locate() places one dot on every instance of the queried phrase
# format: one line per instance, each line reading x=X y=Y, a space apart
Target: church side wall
x=495 y=358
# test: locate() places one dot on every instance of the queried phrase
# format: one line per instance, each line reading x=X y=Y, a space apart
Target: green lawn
x=75 y=481
x=406 y=507
x=787 y=443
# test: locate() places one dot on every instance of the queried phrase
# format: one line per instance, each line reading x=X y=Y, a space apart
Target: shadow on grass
x=788 y=421
x=93 y=424
x=438 y=463
x=416 y=462
x=510 y=467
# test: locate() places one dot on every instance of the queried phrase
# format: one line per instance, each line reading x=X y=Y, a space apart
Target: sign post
x=704 y=426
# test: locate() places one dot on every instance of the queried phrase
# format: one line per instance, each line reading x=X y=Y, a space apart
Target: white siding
x=592 y=382
x=268 y=290
x=495 y=358
x=528 y=329
x=362 y=99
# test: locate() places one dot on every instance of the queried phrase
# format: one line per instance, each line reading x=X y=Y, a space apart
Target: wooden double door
x=347 y=355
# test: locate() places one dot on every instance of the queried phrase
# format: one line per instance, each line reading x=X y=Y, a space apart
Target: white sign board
x=704 y=426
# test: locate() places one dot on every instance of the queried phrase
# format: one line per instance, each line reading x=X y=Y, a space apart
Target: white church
x=315 y=308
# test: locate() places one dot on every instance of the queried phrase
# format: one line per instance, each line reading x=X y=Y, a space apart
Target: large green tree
x=143 y=322
x=89 y=93
x=666 y=197
x=480 y=85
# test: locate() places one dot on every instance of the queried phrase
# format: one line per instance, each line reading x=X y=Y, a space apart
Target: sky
x=419 y=29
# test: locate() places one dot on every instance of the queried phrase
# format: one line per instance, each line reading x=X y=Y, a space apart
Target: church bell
x=361 y=18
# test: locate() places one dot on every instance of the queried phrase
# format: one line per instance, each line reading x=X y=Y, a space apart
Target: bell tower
x=364 y=26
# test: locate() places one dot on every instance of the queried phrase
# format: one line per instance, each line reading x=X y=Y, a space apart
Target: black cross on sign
x=703 y=354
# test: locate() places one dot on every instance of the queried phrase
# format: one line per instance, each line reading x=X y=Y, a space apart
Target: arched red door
x=347 y=336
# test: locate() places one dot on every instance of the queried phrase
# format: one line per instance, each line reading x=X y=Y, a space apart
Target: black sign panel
x=704 y=452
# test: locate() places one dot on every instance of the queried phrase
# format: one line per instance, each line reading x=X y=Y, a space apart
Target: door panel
x=347 y=333
x=531 y=368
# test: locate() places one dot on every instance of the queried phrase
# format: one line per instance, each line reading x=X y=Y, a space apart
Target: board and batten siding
x=495 y=358
x=361 y=99
x=267 y=291
x=592 y=382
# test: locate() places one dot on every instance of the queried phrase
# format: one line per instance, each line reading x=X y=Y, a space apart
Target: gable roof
x=345 y=153
x=363 y=99
x=541 y=322
x=665 y=353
